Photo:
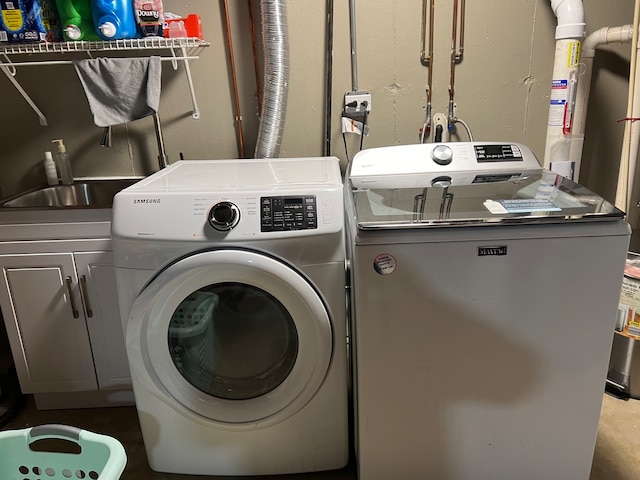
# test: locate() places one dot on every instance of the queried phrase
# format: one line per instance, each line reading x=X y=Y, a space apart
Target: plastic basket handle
x=55 y=431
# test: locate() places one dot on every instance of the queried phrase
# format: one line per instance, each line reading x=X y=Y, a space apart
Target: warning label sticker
x=521 y=205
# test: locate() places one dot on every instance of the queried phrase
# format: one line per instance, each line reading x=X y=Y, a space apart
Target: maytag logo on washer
x=145 y=200
x=492 y=251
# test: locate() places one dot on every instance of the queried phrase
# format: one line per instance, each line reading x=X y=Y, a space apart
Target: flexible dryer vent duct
x=275 y=37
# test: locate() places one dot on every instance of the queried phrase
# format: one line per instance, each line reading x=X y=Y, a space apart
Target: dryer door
x=236 y=336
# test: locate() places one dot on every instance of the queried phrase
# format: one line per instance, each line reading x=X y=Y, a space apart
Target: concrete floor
x=617 y=453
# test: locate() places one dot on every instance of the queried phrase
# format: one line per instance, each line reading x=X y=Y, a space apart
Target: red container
x=192 y=24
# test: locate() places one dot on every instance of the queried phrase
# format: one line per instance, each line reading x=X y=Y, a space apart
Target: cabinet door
x=97 y=280
x=45 y=324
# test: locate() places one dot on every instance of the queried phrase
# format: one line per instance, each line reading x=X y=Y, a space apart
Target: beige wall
x=502 y=89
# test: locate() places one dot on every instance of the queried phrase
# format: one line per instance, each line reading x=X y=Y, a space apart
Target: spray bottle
x=63 y=163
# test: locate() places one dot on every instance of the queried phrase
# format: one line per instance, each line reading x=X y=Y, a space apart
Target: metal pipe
x=254 y=47
x=329 y=79
x=234 y=80
x=275 y=38
x=354 y=47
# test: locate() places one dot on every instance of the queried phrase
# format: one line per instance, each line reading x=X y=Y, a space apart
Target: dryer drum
x=233 y=341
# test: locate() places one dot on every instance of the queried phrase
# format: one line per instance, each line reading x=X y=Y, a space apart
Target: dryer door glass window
x=233 y=341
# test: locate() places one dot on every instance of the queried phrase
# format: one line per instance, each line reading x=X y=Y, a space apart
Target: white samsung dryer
x=231 y=284
x=484 y=292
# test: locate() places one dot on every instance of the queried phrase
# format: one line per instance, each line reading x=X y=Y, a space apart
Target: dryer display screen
x=288 y=213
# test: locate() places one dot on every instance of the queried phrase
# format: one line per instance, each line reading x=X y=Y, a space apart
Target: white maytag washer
x=230 y=279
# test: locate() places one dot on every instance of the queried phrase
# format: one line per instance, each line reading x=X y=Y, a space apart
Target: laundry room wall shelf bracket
x=181 y=49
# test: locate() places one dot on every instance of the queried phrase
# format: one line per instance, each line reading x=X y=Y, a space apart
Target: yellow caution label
x=573 y=54
x=13 y=19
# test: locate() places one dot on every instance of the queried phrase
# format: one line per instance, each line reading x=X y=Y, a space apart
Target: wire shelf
x=148 y=43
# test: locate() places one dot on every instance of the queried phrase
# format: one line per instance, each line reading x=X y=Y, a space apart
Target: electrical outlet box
x=357 y=102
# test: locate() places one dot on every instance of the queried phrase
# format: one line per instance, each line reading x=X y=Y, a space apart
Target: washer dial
x=442 y=155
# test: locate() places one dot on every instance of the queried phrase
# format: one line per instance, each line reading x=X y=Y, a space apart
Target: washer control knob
x=223 y=216
x=442 y=155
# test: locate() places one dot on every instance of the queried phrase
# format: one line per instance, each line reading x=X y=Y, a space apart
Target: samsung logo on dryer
x=492 y=251
x=137 y=201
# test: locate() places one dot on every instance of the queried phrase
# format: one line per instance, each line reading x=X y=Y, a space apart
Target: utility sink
x=80 y=194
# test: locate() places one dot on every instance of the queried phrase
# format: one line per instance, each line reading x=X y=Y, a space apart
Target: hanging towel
x=120 y=90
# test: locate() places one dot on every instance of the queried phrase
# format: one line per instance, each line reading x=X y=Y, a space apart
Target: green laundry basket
x=101 y=457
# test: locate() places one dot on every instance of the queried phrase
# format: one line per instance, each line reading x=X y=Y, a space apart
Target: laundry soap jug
x=77 y=20
x=114 y=19
x=63 y=163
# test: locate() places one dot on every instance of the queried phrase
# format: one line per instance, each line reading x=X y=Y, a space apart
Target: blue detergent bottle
x=77 y=20
x=114 y=19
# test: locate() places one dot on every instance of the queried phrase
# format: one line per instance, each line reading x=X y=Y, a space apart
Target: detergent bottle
x=77 y=20
x=29 y=21
x=114 y=19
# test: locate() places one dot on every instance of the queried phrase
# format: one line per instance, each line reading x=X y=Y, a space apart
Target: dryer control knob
x=223 y=216
x=442 y=155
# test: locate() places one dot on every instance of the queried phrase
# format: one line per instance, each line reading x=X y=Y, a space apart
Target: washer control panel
x=284 y=213
x=497 y=153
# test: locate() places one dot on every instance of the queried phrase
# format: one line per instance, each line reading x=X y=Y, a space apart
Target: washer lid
x=517 y=197
x=464 y=183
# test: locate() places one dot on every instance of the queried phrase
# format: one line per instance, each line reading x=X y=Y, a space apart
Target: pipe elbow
x=604 y=36
x=570 y=15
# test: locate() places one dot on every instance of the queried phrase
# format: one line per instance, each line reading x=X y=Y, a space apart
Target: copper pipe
x=454 y=48
x=456 y=52
x=234 y=79
x=462 y=21
x=329 y=78
x=256 y=67
x=426 y=58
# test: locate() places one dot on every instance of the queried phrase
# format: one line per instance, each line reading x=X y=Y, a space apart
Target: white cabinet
x=61 y=315
x=97 y=283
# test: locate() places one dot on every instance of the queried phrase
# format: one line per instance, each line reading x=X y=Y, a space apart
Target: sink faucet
x=106 y=137
x=105 y=141
x=162 y=155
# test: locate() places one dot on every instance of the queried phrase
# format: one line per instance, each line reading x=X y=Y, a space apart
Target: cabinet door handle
x=85 y=295
x=76 y=314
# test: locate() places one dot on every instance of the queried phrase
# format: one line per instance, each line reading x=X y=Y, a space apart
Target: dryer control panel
x=284 y=213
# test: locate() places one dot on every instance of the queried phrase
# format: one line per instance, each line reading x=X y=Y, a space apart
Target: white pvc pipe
x=569 y=34
x=570 y=15
x=603 y=36
x=628 y=159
